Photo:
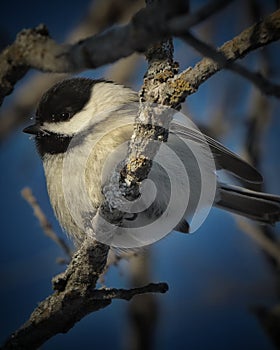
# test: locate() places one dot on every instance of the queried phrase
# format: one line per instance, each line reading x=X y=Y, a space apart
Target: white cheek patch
x=77 y=123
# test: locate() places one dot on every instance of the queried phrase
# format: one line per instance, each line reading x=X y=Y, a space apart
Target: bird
x=82 y=131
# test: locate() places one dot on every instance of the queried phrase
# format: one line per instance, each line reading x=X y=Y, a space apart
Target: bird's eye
x=65 y=115
x=61 y=116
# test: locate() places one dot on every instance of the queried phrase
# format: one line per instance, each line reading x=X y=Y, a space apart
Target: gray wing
x=224 y=158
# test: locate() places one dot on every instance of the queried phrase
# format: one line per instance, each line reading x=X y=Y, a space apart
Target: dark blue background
x=215 y=276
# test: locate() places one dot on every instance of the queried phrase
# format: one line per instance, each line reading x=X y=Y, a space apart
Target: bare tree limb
x=252 y=38
x=151 y=124
x=33 y=48
x=12 y=70
x=69 y=303
x=75 y=296
x=256 y=78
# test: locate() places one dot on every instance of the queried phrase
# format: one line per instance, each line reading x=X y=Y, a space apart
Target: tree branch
x=151 y=125
x=252 y=38
x=33 y=48
x=75 y=296
x=256 y=78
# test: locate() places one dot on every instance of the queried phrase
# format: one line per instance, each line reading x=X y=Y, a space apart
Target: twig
x=127 y=294
x=142 y=147
x=256 y=78
x=45 y=224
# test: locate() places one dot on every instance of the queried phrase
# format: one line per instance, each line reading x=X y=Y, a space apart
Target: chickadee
x=82 y=125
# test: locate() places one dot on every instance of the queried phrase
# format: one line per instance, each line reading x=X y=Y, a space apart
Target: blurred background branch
x=45 y=224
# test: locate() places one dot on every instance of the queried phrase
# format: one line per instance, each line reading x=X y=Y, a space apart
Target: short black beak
x=32 y=129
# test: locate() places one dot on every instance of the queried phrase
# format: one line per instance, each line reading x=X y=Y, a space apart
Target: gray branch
x=256 y=78
x=75 y=296
x=252 y=38
x=33 y=48
x=151 y=124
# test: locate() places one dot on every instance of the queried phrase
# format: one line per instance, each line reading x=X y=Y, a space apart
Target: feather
x=224 y=158
x=258 y=206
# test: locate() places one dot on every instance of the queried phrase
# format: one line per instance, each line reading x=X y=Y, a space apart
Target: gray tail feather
x=254 y=205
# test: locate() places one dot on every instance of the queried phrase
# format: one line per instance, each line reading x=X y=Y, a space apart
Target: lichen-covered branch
x=152 y=123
